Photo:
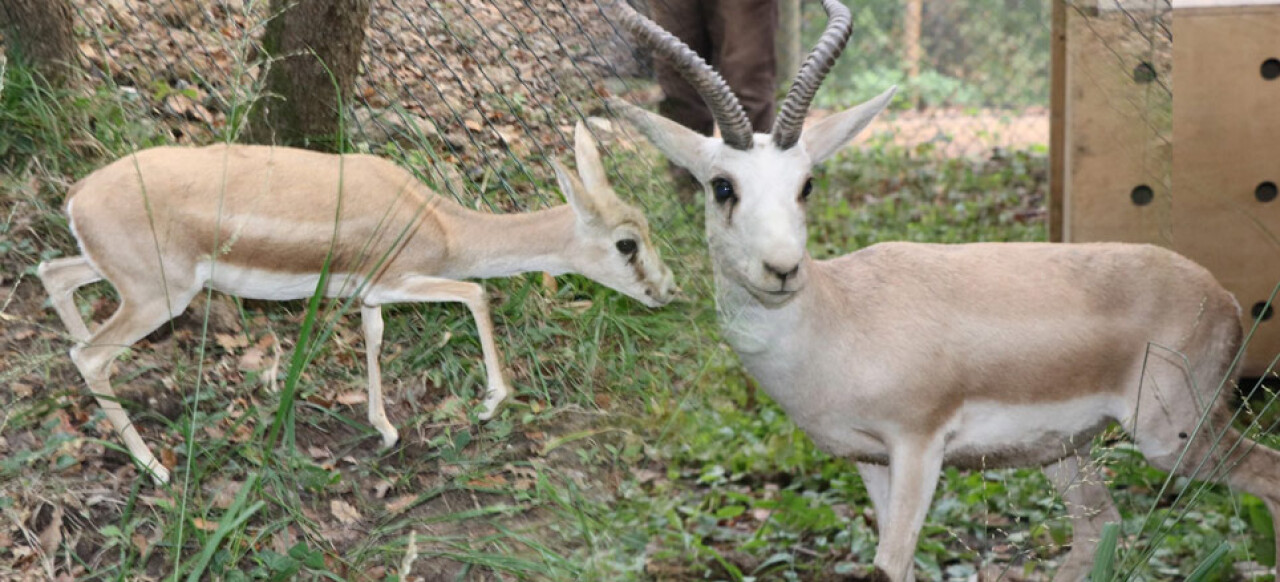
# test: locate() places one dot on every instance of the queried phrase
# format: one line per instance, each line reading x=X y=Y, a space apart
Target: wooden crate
x=1118 y=125
x=1226 y=160
x=1121 y=174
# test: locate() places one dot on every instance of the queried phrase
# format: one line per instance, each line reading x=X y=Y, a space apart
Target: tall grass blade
x=1104 y=561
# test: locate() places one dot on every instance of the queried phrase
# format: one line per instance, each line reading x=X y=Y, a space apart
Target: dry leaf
x=645 y=475
x=254 y=359
x=231 y=341
x=353 y=397
x=344 y=511
x=204 y=524
x=168 y=458
x=21 y=390
x=140 y=542
x=51 y=536
x=401 y=503
x=549 y=282
x=224 y=493
x=493 y=481
x=319 y=452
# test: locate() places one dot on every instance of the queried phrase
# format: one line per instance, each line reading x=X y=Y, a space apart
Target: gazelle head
x=611 y=238
x=755 y=185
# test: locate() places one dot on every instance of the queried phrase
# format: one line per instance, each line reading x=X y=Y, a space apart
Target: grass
x=635 y=446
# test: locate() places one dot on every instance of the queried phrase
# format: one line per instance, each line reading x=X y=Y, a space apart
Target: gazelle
x=258 y=222
x=903 y=357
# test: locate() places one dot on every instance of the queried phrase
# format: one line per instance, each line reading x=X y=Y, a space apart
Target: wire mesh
x=494 y=86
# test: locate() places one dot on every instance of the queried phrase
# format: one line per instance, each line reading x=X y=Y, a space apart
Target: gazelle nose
x=782 y=272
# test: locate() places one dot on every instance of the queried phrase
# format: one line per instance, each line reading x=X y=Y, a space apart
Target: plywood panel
x=1118 y=127
x=1227 y=126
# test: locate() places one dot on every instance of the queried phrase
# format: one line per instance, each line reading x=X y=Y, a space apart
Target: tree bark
x=789 y=50
x=38 y=34
x=315 y=47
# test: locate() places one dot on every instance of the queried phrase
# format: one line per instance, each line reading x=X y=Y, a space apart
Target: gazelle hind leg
x=1089 y=505
x=1240 y=462
x=61 y=278
x=132 y=321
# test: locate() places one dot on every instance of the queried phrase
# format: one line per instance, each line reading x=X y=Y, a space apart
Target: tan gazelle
x=258 y=222
x=905 y=357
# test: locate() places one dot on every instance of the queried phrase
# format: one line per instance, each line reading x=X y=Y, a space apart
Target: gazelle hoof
x=489 y=407
x=389 y=439
x=158 y=472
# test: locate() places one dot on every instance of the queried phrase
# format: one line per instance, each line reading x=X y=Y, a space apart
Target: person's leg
x=742 y=37
x=686 y=20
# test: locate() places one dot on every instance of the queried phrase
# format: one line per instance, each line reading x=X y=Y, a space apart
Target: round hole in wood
x=1270 y=69
x=1265 y=192
x=1142 y=195
x=1144 y=73
x=1262 y=311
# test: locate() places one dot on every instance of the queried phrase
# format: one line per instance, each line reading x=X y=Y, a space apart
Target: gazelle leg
x=132 y=321
x=914 y=467
x=432 y=289
x=61 y=278
x=876 y=479
x=371 y=320
x=1089 y=504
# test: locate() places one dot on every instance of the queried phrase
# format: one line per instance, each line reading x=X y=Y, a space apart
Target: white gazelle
x=905 y=357
x=258 y=222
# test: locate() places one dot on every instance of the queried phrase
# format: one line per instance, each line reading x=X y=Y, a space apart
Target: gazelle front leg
x=914 y=467
x=371 y=322
x=876 y=479
x=436 y=290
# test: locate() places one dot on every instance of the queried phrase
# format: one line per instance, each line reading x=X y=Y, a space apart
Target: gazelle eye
x=808 y=189
x=627 y=246
x=723 y=190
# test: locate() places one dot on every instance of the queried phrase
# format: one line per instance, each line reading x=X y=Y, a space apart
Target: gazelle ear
x=830 y=135
x=587 y=155
x=683 y=146
x=577 y=195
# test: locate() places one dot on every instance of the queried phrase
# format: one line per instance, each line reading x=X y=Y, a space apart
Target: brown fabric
x=737 y=38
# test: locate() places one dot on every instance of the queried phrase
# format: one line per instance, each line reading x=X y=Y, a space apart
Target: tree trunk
x=789 y=47
x=315 y=48
x=38 y=34
x=911 y=41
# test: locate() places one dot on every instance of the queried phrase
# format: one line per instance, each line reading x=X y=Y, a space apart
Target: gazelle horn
x=786 y=130
x=735 y=128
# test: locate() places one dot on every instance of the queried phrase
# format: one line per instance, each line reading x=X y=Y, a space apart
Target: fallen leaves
x=353 y=397
x=401 y=503
x=345 y=512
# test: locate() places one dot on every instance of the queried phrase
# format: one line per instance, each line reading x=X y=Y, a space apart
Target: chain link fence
x=494 y=86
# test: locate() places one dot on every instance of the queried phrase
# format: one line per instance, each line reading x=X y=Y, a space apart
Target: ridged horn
x=786 y=130
x=735 y=128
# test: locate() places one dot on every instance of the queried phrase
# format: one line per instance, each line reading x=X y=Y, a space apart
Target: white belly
x=273 y=286
x=987 y=433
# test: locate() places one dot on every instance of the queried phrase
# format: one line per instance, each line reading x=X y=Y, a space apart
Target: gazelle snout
x=662 y=291
x=782 y=272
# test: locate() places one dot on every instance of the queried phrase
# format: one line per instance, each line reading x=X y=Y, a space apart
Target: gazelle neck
x=483 y=245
